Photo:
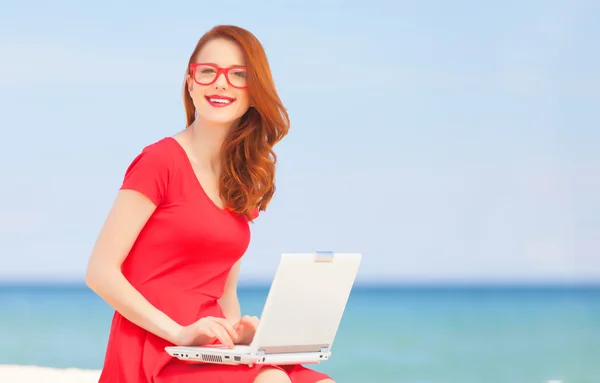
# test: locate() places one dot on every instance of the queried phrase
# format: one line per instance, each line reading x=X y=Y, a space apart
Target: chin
x=223 y=118
x=218 y=120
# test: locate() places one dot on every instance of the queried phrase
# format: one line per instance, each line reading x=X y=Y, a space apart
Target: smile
x=219 y=101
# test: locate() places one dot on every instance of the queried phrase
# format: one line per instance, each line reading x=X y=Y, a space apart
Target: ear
x=189 y=82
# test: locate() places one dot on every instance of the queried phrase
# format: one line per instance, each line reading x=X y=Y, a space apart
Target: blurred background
x=454 y=144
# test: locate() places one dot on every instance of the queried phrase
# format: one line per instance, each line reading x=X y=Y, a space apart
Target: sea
x=412 y=334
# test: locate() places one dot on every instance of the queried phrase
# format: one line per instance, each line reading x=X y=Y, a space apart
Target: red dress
x=180 y=263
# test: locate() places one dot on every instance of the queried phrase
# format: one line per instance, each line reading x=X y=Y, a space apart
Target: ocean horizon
x=417 y=332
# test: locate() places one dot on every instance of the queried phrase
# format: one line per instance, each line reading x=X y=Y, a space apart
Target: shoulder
x=151 y=171
x=157 y=155
x=161 y=149
x=253 y=214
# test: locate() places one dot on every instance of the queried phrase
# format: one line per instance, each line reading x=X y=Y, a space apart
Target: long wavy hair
x=247 y=182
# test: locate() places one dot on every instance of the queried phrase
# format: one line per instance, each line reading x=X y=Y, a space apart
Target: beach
x=387 y=334
x=25 y=374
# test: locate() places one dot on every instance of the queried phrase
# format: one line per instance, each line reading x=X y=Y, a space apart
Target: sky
x=445 y=141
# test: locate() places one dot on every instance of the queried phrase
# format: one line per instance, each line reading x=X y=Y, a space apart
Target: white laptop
x=301 y=315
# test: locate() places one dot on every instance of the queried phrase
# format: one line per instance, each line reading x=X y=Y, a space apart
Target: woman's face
x=217 y=82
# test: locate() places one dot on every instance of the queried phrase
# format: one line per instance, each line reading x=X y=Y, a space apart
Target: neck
x=206 y=140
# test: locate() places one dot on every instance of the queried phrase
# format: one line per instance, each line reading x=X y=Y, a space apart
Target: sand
x=30 y=374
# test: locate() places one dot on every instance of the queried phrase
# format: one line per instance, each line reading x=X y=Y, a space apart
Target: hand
x=246 y=328
x=205 y=331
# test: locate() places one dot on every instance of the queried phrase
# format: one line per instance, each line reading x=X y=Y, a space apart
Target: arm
x=127 y=217
x=229 y=301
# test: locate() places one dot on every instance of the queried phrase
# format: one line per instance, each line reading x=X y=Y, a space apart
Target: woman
x=168 y=256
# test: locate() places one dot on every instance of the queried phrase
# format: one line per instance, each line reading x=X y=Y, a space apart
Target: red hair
x=247 y=181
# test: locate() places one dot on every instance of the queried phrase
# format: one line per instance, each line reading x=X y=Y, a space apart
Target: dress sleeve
x=149 y=174
x=254 y=213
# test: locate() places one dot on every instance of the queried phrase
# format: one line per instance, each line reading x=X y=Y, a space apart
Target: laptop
x=300 y=318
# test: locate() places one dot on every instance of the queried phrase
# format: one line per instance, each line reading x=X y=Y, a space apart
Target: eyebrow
x=205 y=62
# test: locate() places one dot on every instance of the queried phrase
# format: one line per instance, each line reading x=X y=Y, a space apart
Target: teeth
x=220 y=100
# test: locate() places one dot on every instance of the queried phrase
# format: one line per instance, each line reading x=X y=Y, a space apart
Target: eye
x=241 y=73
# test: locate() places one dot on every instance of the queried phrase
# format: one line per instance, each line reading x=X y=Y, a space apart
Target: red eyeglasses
x=206 y=74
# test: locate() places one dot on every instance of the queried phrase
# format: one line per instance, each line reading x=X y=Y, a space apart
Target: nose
x=221 y=81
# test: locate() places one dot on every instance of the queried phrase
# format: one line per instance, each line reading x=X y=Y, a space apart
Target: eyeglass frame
x=220 y=70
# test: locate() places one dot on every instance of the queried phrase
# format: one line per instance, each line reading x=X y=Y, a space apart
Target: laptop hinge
x=323 y=256
x=292 y=349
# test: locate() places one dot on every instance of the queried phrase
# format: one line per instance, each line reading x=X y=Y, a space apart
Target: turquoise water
x=388 y=334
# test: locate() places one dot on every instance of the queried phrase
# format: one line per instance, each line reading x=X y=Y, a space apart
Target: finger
x=222 y=323
x=208 y=332
x=227 y=326
x=246 y=319
x=223 y=338
x=222 y=335
x=251 y=321
x=240 y=330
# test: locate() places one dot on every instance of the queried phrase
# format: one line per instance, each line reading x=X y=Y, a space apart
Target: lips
x=219 y=101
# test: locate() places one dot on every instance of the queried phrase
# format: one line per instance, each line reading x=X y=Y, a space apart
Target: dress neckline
x=190 y=167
